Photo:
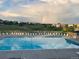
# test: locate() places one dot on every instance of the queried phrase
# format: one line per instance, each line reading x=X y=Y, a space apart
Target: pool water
x=25 y=43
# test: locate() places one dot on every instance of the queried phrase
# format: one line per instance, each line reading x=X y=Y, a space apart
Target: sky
x=41 y=11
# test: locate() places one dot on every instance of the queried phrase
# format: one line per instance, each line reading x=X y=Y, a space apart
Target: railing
x=39 y=33
x=35 y=33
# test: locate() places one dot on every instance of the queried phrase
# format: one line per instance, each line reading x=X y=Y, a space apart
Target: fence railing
x=41 y=33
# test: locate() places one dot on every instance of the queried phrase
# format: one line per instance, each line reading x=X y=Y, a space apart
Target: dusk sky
x=43 y=11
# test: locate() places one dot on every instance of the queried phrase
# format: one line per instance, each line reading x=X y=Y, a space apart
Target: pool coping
x=41 y=54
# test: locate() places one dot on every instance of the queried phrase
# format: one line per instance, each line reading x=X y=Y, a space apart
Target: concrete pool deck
x=41 y=54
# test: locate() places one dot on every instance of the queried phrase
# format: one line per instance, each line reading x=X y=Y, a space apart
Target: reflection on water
x=24 y=43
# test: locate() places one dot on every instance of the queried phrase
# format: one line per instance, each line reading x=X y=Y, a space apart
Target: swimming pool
x=26 y=43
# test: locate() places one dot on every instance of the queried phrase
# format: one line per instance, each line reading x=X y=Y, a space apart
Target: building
x=77 y=27
x=58 y=25
x=70 y=25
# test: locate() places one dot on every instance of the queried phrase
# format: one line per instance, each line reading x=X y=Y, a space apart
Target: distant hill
x=6 y=25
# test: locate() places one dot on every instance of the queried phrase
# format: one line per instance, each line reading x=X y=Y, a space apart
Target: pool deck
x=41 y=54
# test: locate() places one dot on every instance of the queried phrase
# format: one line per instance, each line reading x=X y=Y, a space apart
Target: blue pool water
x=24 y=43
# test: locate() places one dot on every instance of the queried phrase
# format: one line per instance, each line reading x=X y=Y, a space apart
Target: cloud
x=26 y=2
x=38 y=12
x=44 y=11
x=7 y=13
x=75 y=1
x=1 y=1
x=61 y=1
